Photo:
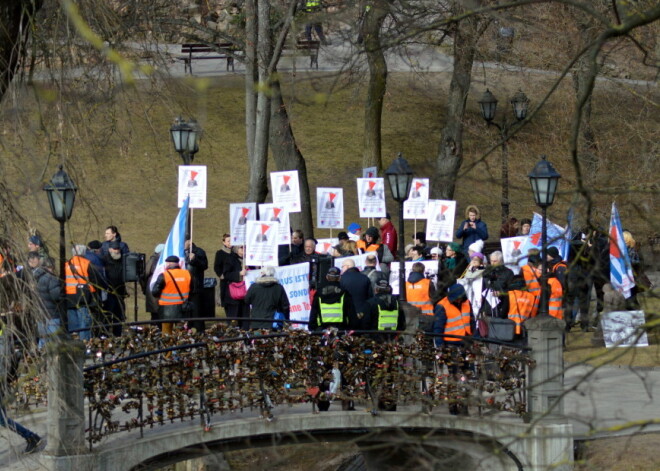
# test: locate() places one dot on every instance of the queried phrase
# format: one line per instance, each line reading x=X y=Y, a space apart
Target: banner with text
x=277 y=213
x=371 y=197
x=192 y=182
x=239 y=215
x=416 y=206
x=295 y=280
x=286 y=189
x=261 y=243
x=329 y=208
x=440 y=221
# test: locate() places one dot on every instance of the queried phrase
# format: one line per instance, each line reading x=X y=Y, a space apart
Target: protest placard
x=261 y=243
x=416 y=206
x=329 y=208
x=277 y=213
x=371 y=197
x=440 y=220
x=192 y=182
x=286 y=189
x=239 y=215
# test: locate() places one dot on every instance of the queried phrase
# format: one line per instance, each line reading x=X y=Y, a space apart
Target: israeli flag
x=621 y=275
x=175 y=241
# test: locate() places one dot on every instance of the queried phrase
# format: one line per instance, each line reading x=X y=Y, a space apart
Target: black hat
x=382 y=284
x=172 y=258
x=342 y=236
x=455 y=292
x=534 y=259
x=334 y=272
x=94 y=245
x=388 y=216
x=421 y=236
x=553 y=252
x=372 y=232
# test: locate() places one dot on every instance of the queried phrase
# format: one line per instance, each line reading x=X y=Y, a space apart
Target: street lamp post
x=61 y=193
x=400 y=175
x=488 y=105
x=544 y=180
x=185 y=137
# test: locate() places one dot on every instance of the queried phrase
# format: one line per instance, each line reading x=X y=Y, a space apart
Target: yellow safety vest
x=387 y=320
x=332 y=313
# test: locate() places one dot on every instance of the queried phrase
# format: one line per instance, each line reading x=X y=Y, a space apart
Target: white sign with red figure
x=329 y=208
x=261 y=243
x=512 y=250
x=440 y=220
x=416 y=206
x=239 y=215
x=192 y=182
x=326 y=245
x=371 y=197
x=286 y=189
x=277 y=213
x=370 y=172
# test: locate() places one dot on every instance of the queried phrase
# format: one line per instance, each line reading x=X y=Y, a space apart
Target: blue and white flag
x=175 y=242
x=621 y=275
x=556 y=237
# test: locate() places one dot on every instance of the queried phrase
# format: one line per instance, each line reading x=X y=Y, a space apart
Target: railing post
x=66 y=414
x=546 y=376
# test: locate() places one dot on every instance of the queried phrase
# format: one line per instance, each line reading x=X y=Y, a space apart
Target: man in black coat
x=497 y=278
x=359 y=287
x=49 y=289
x=114 y=304
x=326 y=303
x=196 y=264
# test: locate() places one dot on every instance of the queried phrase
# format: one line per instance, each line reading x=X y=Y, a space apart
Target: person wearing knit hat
x=456 y=261
x=477 y=246
x=35 y=244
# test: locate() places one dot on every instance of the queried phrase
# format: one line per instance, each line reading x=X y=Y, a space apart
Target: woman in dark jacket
x=233 y=272
x=265 y=297
x=451 y=267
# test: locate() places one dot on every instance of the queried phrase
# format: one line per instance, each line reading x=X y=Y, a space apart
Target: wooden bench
x=207 y=52
x=310 y=48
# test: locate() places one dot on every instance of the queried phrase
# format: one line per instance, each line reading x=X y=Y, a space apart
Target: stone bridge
x=132 y=412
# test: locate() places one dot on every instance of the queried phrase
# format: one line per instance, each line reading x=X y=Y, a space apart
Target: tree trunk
x=373 y=107
x=258 y=182
x=250 y=76
x=15 y=16
x=288 y=157
x=450 y=152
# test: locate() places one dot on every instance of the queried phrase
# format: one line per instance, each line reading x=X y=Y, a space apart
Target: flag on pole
x=175 y=241
x=556 y=238
x=621 y=275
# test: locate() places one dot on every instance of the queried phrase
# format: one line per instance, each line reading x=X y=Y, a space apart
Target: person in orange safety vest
x=172 y=288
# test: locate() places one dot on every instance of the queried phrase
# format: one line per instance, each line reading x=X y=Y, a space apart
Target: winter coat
x=105 y=247
x=49 y=288
x=231 y=274
x=331 y=293
x=388 y=237
x=151 y=303
x=266 y=296
x=470 y=235
x=196 y=267
x=359 y=287
x=221 y=257
x=386 y=302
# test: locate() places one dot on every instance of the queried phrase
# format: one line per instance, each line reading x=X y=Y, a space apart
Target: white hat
x=436 y=251
x=476 y=246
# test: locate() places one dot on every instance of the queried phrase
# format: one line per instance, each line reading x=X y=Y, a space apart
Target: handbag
x=188 y=306
x=237 y=290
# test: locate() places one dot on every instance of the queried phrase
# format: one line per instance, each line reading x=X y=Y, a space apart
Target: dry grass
x=635 y=453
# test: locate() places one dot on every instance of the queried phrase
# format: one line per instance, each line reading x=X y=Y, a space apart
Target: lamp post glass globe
x=61 y=193
x=399 y=176
x=185 y=137
x=544 y=180
x=520 y=104
x=488 y=105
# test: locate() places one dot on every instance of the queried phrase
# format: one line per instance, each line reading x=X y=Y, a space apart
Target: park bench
x=206 y=52
x=309 y=48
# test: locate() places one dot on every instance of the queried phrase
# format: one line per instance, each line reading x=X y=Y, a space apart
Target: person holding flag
x=621 y=273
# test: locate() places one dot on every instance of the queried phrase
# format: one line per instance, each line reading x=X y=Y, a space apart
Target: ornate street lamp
x=544 y=180
x=399 y=176
x=488 y=105
x=185 y=137
x=61 y=193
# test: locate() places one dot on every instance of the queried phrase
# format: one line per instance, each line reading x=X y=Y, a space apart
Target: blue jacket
x=470 y=235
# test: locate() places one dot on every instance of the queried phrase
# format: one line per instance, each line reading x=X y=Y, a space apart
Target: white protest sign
x=512 y=251
x=624 y=329
x=239 y=215
x=329 y=208
x=440 y=220
x=277 y=213
x=371 y=197
x=360 y=260
x=473 y=288
x=295 y=280
x=430 y=271
x=370 y=172
x=326 y=245
x=192 y=182
x=261 y=243
x=286 y=189
x=416 y=206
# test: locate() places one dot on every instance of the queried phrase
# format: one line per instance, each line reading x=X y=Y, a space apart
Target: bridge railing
x=145 y=379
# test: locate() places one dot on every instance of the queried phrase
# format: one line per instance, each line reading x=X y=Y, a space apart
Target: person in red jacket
x=388 y=233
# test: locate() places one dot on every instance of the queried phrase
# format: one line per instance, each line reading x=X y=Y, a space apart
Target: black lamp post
x=488 y=105
x=544 y=180
x=61 y=193
x=400 y=175
x=185 y=137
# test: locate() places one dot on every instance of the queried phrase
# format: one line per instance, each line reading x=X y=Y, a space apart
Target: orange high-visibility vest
x=532 y=277
x=417 y=294
x=170 y=295
x=372 y=248
x=362 y=245
x=458 y=322
x=522 y=306
x=555 y=307
x=78 y=275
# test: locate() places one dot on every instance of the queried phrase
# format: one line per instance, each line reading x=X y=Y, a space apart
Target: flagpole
x=192 y=212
